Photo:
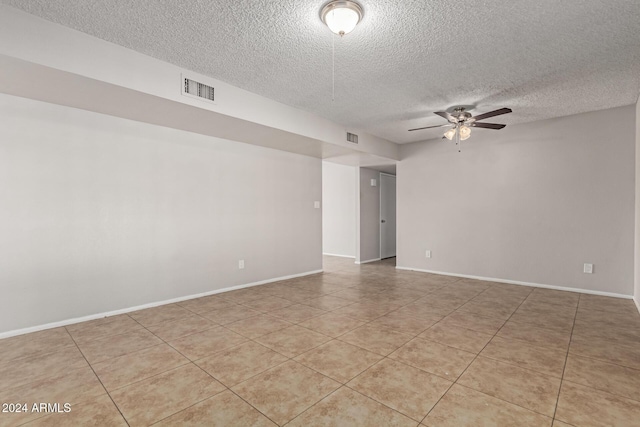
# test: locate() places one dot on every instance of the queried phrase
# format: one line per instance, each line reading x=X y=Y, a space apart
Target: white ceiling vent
x=196 y=89
x=352 y=137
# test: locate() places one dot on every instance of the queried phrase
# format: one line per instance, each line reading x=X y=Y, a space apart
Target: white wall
x=529 y=203
x=99 y=213
x=636 y=291
x=339 y=195
x=368 y=224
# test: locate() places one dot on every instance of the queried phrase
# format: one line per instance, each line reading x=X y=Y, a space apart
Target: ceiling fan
x=461 y=122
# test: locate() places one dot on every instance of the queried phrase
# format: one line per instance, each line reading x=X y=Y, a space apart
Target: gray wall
x=100 y=213
x=529 y=203
x=339 y=195
x=369 y=218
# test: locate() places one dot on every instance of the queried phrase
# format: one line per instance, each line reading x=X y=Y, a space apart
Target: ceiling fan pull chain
x=333 y=67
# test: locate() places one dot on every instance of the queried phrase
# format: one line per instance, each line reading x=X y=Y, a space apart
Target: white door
x=387 y=216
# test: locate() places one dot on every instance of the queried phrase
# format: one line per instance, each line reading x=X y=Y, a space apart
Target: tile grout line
x=566 y=359
x=98 y=378
x=474 y=359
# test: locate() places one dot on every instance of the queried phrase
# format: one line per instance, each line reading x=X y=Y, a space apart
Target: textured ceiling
x=406 y=59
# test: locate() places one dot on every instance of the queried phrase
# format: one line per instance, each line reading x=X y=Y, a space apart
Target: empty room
x=320 y=213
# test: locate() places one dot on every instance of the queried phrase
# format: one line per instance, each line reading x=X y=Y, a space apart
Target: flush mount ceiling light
x=341 y=16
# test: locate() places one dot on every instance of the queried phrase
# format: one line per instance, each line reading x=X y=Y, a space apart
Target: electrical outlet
x=428 y=254
x=241 y=264
x=588 y=268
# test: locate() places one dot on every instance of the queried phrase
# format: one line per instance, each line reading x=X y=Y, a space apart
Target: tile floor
x=356 y=346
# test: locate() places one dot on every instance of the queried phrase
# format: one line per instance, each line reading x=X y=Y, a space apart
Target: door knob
x=383 y=221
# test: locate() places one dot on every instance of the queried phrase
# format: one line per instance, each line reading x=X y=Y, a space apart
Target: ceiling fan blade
x=492 y=114
x=487 y=125
x=430 y=127
x=446 y=115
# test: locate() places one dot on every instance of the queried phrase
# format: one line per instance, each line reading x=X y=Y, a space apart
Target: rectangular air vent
x=194 y=88
x=352 y=137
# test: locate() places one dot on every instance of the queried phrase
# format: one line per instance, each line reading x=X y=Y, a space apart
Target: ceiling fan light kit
x=461 y=122
x=341 y=16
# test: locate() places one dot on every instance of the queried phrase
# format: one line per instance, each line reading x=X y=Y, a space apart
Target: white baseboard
x=636 y=299
x=149 y=305
x=369 y=260
x=517 y=282
x=339 y=255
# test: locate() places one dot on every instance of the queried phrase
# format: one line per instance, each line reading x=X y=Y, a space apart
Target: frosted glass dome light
x=341 y=16
x=450 y=134
x=465 y=132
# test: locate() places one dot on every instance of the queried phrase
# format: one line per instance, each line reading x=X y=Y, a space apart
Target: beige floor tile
x=602 y=303
x=401 y=387
x=616 y=335
x=603 y=376
x=376 y=339
x=240 y=363
x=488 y=309
x=561 y=323
x=346 y=407
x=299 y=295
x=446 y=362
x=557 y=423
x=338 y=360
x=610 y=319
x=544 y=360
x=332 y=324
x=269 y=303
x=99 y=411
x=627 y=354
x=327 y=302
x=293 y=340
x=424 y=311
x=222 y=410
x=232 y=314
x=584 y=406
x=203 y=304
x=464 y=407
x=152 y=316
x=37 y=368
x=554 y=297
x=405 y=323
x=34 y=344
x=350 y=294
x=366 y=310
x=243 y=296
x=455 y=336
x=116 y=345
x=297 y=313
x=443 y=302
x=154 y=399
x=178 y=328
x=100 y=328
x=72 y=387
x=254 y=327
x=475 y=322
x=533 y=307
x=137 y=366
x=283 y=392
x=522 y=387
x=206 y=343
x=533 y=335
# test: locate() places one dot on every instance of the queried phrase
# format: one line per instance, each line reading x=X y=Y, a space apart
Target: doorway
x=387 y=216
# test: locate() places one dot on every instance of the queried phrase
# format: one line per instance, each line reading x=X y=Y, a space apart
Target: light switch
x=374 y=183
x=316 y=205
